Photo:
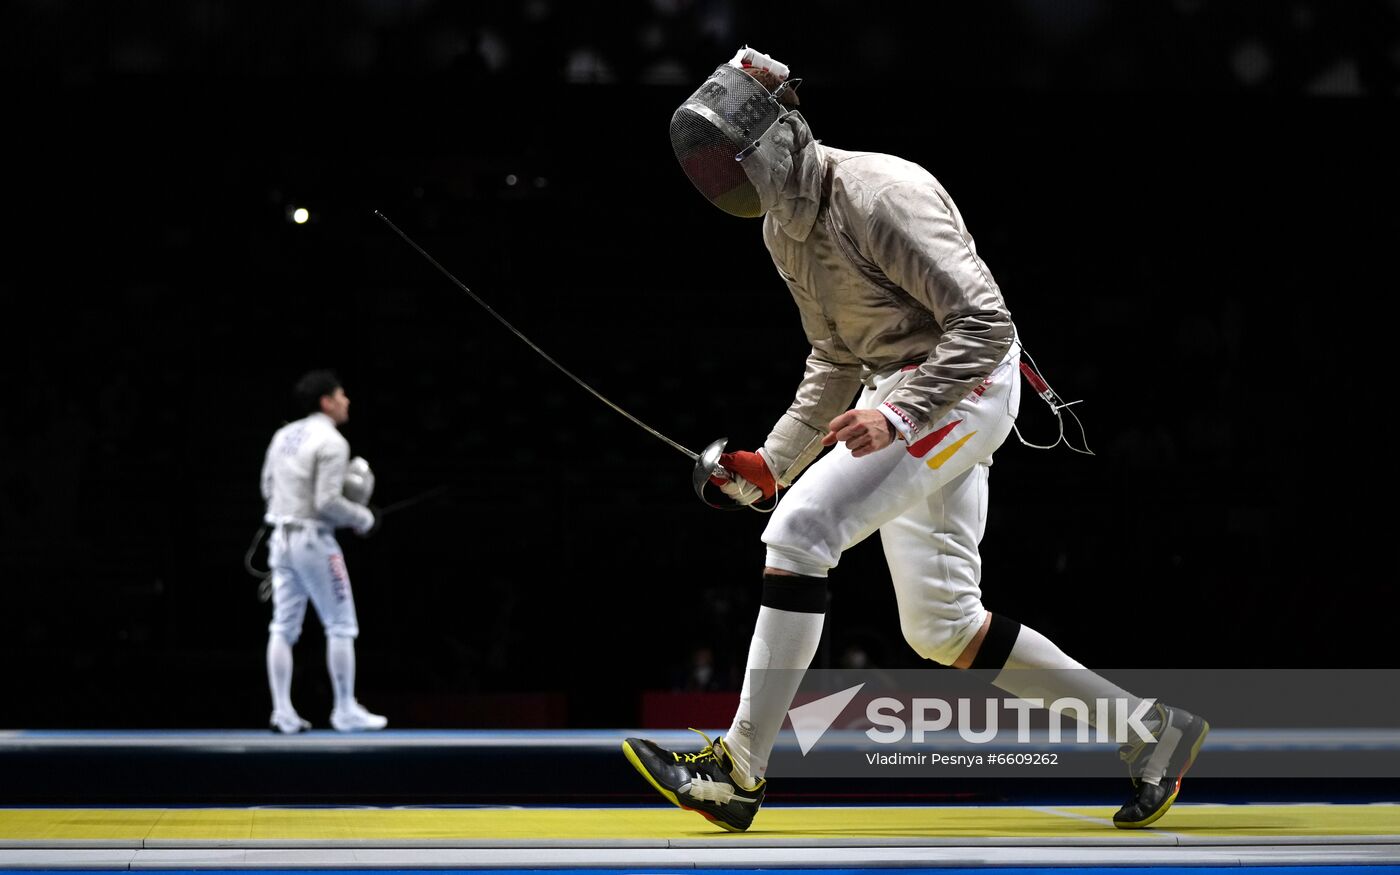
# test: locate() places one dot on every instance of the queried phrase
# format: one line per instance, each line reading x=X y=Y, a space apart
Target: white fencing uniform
x=892 y=295
x=302 y=479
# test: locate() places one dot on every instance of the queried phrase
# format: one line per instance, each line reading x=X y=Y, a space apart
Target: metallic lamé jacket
x=885 y=275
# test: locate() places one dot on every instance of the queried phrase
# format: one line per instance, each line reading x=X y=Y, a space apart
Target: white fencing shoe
x=288 y=722
x=354 y=718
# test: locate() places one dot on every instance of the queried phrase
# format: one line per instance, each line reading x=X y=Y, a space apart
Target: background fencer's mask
x=719 y=129
x=359 y=481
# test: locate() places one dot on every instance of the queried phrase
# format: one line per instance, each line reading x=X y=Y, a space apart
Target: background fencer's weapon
x=706 y=461
x=415 y=500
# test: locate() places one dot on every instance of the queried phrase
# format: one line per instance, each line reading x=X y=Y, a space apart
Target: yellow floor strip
x=661 y=823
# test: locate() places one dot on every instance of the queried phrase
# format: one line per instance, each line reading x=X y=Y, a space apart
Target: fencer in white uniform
x=304 y=479
x=899 y=306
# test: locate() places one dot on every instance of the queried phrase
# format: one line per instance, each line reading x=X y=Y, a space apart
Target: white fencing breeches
x=928 y=501
x=307 y=564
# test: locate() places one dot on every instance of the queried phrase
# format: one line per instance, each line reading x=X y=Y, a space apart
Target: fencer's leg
x=936 y=567
x=938 y=588
x=724 y=780
x=279 y=672
x=348 y=715
x=288 y=614
x=340 y=661
x=1031 y=666
x=942 y=617
x=786 y=636
x=328 y=584
x=970 y=652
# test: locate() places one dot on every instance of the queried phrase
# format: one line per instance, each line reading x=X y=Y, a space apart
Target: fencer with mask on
x=900 y=310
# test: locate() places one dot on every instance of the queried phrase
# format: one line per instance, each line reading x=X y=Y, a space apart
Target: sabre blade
x=691 y=454
x=415 y=500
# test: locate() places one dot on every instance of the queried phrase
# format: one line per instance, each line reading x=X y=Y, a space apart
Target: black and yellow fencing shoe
x=1157 y=769
x=702 y=782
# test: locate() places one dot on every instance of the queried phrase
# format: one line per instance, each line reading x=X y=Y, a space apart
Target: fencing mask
x=720 y=127
x=359 y=481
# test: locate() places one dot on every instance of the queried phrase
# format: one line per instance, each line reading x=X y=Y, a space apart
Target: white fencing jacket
x=304 y=474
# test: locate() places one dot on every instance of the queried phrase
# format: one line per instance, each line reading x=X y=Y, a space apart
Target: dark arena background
x=1189 y=207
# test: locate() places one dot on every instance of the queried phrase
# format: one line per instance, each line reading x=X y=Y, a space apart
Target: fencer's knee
x=343 y=630
x=996 y=645
x=794 y=593
x=802 y=540
x=291 y=636
x=942 y=637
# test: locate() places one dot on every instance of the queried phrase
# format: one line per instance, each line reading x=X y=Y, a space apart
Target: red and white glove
x=749 y=477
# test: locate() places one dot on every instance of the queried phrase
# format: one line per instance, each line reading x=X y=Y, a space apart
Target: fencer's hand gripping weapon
x=706 y=462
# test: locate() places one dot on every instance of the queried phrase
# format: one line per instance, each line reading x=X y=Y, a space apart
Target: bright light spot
x=512 y=179
x=300 y=215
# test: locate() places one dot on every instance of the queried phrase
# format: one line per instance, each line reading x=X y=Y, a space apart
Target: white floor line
x=691 y=858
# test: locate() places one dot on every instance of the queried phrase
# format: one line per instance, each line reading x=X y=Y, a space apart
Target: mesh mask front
x=715 y=127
